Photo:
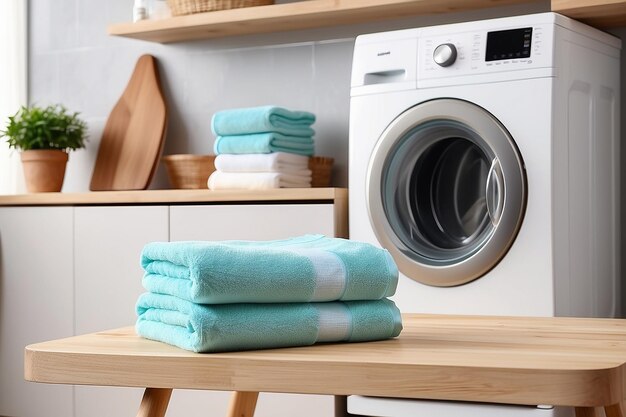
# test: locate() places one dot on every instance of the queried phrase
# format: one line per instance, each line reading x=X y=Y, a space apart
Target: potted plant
x=44 y=136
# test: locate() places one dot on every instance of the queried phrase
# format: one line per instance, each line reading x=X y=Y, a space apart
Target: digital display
x=508 y=44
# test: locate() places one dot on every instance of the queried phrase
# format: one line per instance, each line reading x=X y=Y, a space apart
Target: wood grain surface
x=133 y=136
x=558 y=361
x=242 y=404
x=337 y=195
x=600 y=13
x=154 y=402
x=291 y=16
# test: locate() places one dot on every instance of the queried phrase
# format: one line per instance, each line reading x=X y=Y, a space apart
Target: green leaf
x=51 y=127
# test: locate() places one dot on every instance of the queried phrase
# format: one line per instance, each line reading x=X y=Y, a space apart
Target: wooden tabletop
x=557 y=361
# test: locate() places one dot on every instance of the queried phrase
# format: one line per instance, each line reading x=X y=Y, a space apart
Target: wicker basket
x=189 y=171
x=183 y=7
x=322 y=170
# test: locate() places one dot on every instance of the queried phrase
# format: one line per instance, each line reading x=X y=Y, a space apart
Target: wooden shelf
x=599 y=13
x=291 y=16
x=174 y=197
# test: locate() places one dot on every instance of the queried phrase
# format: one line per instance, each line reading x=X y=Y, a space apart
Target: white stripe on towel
x=330 y=274
x=334 y=322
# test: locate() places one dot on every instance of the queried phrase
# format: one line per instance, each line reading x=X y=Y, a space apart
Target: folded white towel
x=256 y=180
x=282 y=162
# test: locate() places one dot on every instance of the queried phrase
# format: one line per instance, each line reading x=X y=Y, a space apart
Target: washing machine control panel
x=442 y=55
x=508 y=44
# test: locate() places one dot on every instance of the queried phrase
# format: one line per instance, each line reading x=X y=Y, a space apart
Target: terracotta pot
x=44 y=170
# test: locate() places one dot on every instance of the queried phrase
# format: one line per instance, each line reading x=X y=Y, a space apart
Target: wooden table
x=556 y=361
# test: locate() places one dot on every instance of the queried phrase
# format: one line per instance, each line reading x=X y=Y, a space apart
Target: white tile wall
x=56 y=25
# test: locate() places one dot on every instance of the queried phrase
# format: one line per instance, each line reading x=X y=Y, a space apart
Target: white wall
x=13 y=80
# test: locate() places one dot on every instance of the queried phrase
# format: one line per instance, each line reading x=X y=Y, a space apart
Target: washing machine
x=485 y=157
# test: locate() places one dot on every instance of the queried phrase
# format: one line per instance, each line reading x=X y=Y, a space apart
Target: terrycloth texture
x=282 y=162
x=264 y=143
x=262 y=119
x=302 y=269
x=256 y=180
x=231 y=327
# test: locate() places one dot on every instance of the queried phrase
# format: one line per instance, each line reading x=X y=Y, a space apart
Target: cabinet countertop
x=175 y=197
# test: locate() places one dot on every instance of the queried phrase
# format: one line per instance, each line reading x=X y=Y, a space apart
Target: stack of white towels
x=262 y=148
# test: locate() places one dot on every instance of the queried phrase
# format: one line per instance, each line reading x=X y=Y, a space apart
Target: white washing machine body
x=485 y=157
x=493 y=176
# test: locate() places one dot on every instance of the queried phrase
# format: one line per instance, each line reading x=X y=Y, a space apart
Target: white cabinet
x=107 y=276
x=250 y=222
x=75 y=269
x=36 y=303
x=107 y=272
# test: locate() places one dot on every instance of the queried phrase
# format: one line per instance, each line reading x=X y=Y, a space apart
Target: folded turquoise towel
x=262 y=119
x=263 y=143
x=229 y=327
x=307 y=268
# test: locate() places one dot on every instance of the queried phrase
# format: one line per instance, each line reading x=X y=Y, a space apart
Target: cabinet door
x=36 y=303
x=251 y=222
x=108 y=242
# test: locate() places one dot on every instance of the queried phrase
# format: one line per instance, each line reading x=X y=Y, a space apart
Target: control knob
x=445 y=54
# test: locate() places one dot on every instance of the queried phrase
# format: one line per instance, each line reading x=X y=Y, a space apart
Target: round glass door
x=446 y=191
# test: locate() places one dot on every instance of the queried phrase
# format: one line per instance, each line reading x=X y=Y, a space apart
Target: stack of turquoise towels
x=242 y=295
x=262 y=147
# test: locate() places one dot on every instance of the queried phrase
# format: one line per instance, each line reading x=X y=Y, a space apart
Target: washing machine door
x=446 y=191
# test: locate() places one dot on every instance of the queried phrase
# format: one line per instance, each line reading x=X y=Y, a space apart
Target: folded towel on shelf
x=264 y=143
x=302 y=269
x=286 y=163
x=262 y=119
x=256 y=180
x=231 y=327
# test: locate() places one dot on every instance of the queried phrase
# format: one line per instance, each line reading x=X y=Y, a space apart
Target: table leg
x=154 y=402
x=614 y=410
x=586 y=412
x=242 y=404
x=341 y=406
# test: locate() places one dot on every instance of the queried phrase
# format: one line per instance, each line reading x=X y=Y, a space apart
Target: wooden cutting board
x=133 y=136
